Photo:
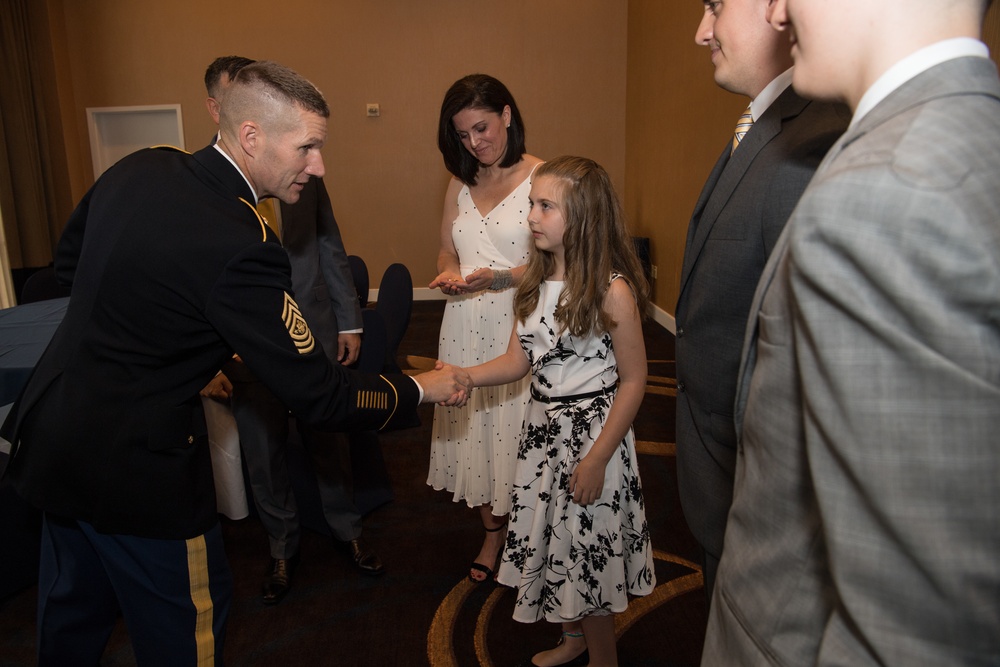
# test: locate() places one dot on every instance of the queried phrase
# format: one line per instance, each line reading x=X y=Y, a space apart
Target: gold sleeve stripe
x=260 y=219
x=297 y=327
x=395 y=404
x=373 y=400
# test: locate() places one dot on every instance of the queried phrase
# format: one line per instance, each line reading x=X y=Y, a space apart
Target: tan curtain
x=7 y=298
x=23 y=179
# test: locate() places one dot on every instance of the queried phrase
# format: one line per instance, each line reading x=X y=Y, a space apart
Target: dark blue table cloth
x=25 y=331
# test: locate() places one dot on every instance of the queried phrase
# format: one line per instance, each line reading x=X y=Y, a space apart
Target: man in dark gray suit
x=865 y=526
x=739 y=215
x=322 y=282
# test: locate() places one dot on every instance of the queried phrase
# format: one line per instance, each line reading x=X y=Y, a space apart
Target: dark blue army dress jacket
x=172 y=271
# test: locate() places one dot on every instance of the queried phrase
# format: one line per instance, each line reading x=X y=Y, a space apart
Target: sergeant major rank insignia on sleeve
x=297 y=328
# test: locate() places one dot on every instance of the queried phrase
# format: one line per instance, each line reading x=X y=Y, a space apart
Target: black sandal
x=479 y=567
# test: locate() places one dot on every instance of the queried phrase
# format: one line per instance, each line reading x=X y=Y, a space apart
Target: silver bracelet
x=502 y=279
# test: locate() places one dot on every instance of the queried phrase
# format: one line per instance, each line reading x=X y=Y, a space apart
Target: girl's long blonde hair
x=596 y=243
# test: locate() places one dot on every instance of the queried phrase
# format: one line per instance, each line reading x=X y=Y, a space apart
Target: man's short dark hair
x=477 y=91
x=228 y=65
x=281 y=82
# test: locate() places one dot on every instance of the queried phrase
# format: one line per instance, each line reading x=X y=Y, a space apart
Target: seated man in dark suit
x=324 y=289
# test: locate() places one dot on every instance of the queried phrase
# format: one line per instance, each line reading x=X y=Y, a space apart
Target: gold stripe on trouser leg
x=197 y=554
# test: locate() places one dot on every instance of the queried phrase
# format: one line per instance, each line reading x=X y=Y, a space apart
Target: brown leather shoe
x=364 y=558
x=279 y=579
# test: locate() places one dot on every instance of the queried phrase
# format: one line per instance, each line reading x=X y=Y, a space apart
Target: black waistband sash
x=572 y=398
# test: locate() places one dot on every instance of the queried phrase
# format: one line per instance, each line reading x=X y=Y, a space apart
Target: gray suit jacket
x=321 y=276
x=865 y=526
x=736 y=222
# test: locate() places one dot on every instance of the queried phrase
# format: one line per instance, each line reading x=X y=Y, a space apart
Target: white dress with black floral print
x=568 y=561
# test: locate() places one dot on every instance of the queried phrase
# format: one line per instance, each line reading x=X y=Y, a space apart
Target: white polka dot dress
x=474 y=448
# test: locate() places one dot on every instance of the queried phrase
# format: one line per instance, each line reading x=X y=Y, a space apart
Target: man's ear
x=250 y=137
x=213 y=108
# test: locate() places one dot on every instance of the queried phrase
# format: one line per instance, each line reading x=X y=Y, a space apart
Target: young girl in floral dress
x=578 y=544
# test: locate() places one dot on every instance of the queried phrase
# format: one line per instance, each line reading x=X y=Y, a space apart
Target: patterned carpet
x=424 y=611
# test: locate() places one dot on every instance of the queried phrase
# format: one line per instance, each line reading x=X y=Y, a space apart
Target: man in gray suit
x=324 y=289
x=865 y=526
x=739 y=215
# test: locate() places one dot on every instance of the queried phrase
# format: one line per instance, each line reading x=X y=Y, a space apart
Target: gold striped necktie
x=743 y=126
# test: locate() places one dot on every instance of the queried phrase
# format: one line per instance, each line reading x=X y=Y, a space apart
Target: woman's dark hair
x=477 y=91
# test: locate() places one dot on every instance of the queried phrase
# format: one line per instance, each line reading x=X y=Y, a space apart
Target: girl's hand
x=450 y=283
x=587 y=481
x=457 y=400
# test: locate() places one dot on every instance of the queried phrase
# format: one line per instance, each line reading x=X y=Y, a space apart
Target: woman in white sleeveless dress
x=484 y=245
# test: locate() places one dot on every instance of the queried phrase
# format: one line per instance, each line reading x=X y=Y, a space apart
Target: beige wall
x=564 y=61
x=677 y=124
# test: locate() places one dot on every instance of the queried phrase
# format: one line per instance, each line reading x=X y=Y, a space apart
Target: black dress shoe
x=279 y=579
x=364 y=558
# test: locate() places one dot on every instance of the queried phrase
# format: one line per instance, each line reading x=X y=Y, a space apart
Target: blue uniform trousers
x=173 y=594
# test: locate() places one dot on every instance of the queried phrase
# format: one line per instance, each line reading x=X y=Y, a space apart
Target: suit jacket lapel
x=748 y=359
x=729 y=171
x=696 y=217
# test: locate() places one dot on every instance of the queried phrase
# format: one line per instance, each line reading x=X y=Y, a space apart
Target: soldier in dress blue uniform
x=172 y=272
x=324 y=288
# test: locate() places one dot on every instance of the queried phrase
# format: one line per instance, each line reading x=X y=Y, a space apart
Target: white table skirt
x=227 y=463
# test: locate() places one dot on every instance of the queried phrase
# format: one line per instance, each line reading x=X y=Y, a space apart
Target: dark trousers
x=174 y=595
x=263 y=425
